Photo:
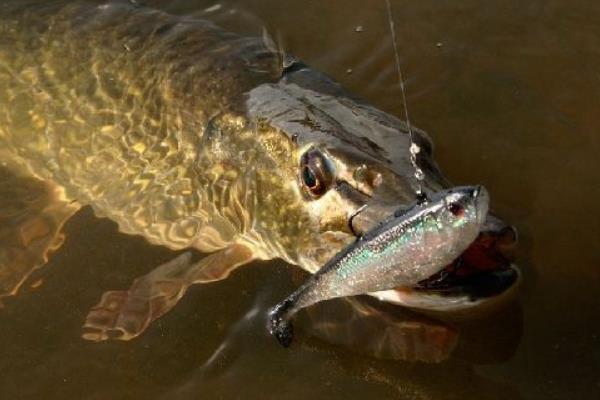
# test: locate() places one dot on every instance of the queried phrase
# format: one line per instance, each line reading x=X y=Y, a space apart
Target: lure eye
x=315 y=173
x=456 y=209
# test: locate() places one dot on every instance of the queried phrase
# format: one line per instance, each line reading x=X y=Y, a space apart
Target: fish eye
x=456 y=209
x=315 y=173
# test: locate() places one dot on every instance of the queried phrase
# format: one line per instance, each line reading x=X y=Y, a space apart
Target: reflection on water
x=508 y=91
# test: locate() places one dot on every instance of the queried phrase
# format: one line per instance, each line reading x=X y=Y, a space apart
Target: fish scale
x=101 y=101
x=196 y=138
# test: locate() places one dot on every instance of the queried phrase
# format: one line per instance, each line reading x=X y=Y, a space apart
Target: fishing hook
x=354 y=214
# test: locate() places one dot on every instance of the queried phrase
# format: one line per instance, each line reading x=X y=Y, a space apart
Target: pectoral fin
x=123 y=315
x=32 y=214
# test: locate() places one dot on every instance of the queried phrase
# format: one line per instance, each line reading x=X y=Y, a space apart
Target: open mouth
x=483 y=270
x=483 y=273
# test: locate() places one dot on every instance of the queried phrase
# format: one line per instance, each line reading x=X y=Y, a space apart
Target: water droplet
x=213 y=8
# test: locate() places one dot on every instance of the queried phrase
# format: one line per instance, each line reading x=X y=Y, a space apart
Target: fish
x=409 y=247
x=199 y=140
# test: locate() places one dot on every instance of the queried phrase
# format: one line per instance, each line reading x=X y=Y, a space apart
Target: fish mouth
x=482 y=275
x=484 y=269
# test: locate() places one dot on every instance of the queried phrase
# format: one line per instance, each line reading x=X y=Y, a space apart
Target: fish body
x=193 y=138
x=186 y=134
x=137 y=113
x=403 y=250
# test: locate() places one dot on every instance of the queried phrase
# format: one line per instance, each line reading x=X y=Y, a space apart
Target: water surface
x=510 y=93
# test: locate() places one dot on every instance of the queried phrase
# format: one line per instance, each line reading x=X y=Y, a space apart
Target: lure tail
x=279 y=324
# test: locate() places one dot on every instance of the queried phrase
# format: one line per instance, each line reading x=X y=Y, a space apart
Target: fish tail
x=279 y=324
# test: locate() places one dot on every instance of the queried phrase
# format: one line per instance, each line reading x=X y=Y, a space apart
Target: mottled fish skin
x=137 y=113
x=194 y=137
x=408 y=247
x=189 y=135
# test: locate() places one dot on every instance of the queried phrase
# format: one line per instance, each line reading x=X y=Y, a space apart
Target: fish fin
x=380 y=331
x=32 y=214
x=123 y=315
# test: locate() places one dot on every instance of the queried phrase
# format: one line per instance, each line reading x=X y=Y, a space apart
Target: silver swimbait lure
x=405 y=249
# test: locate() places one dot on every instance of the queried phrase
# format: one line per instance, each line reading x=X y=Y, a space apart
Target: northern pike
x=194 y=138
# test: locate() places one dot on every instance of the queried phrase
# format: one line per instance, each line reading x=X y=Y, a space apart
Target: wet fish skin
x=194 y=137
x=404 y=249
x=137 y=113
x=189 y=135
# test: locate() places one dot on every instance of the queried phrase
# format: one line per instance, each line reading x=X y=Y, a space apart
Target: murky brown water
x=509 y=91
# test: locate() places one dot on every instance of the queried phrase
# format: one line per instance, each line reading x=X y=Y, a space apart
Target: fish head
x=347 y=166
x=328 y=155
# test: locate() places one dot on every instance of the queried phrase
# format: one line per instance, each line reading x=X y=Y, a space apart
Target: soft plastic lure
x=408 y=247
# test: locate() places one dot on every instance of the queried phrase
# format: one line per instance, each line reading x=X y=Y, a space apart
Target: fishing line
x=414 y=148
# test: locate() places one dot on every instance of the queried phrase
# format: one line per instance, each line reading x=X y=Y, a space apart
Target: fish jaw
x=482 y=279
x=460 y=302
x=482 y=274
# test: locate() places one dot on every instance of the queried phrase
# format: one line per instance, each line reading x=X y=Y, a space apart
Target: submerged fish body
x=194 y=138
x=134 y=112
x=407 y=248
